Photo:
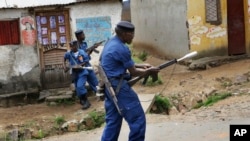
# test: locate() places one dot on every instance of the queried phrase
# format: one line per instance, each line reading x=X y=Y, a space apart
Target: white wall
x=86 y=10
x=162 y=24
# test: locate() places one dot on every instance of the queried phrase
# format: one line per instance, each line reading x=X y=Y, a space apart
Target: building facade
x=34 y=37
x=174 y=28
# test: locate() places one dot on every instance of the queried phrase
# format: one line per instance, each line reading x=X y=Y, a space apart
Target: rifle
x=108 y=86
x=93 y=48
x=78 y=67
x=162 y=66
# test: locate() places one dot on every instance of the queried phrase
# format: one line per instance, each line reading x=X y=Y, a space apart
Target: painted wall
x=111 y=9
x=161 y=26
x=211 y=40
x=247 y=24
x=19 y=64
x=204 y=37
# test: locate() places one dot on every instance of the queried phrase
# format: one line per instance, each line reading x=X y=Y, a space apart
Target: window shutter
x=15 y=32
x=9 y=33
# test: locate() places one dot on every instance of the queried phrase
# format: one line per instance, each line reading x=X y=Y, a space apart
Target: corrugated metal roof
x=35 y=3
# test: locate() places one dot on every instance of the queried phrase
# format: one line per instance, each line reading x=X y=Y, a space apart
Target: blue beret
x=78 y=32
x=126 y=26
x=73 y=43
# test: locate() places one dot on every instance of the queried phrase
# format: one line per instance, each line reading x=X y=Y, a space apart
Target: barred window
x=213 y=12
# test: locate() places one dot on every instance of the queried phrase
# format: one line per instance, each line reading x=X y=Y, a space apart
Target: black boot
x=85 y=102
x=82 y=99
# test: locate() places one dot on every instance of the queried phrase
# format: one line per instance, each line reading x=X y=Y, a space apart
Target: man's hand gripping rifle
x=162 y=66
x=89 y=50
x=108 y=86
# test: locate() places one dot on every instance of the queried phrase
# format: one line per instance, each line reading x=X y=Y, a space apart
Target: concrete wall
x=19 y=69
x=161 y=26
x=19 y=65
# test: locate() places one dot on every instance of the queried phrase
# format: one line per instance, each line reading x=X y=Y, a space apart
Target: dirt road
x=209 y=124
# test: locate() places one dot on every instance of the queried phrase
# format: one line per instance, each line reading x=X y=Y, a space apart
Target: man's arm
x=141 y=70
x=144 y=66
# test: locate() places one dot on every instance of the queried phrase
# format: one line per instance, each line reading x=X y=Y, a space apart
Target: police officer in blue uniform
x=77 y=59
x=115 y=61
x=81 y=44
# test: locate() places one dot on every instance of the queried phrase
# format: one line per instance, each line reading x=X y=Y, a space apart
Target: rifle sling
x=119 y=84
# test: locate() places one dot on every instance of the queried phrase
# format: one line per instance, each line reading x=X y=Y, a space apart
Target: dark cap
x=78 y=32
x=126 y=26
x=73 y=43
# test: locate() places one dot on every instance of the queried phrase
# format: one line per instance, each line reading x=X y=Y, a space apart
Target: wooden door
x=53 y=39
x=236 y=27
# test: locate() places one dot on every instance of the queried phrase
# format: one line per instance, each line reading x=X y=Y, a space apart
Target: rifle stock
x=108 y=86
x=93 y=48
x=162 y=66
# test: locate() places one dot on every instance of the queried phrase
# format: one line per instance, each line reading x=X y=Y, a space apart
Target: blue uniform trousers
x=132 y=112
x=92 y=80
x=80 y=81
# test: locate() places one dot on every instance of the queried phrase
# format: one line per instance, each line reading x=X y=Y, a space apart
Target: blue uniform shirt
x=83 y=46
x=77 y=59
x=116 y=58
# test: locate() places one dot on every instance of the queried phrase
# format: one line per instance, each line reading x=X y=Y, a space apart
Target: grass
x=59 y=120
x=98 y=118
x=151 y=83
x=143 y=55
x=213 y=99
x=65 y=101
x=162 y=104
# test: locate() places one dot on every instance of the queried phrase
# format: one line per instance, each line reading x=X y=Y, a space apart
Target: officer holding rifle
x=78 y=59
x=81 y=44
x=115 y=60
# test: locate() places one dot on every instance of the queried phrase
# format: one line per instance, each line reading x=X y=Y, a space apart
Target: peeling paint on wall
x=195 y=40
x=215 y=32
x=199 y=29
x=194 y=20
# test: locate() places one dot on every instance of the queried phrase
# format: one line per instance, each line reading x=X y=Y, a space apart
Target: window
x=213 y=11
x=10 y=32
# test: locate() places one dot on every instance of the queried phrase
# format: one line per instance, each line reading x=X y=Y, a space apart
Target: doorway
x=236 y=27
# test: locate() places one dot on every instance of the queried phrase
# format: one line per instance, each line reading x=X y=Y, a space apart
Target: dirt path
x=176 y=79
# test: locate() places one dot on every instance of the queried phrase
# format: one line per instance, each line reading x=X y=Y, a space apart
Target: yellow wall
x=247 y=24
x=204 y=36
